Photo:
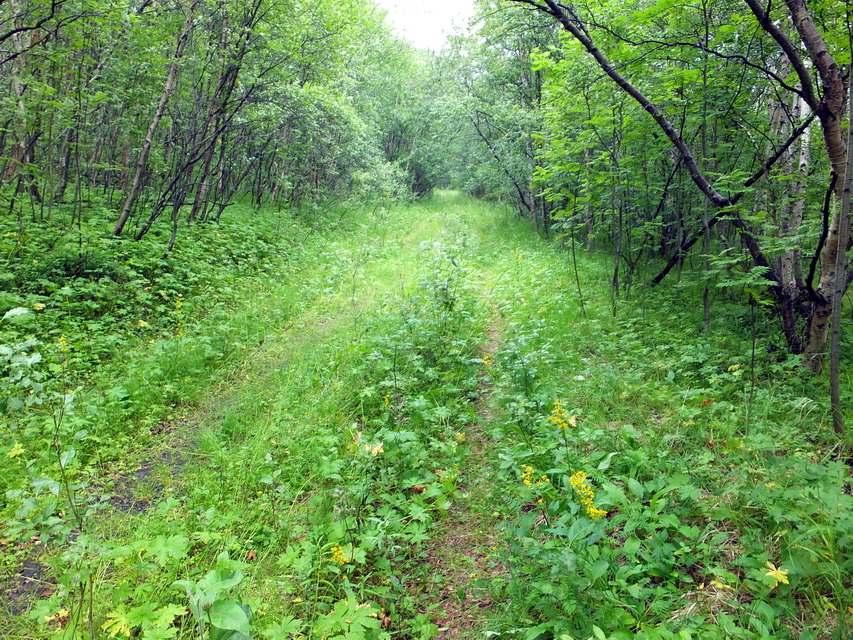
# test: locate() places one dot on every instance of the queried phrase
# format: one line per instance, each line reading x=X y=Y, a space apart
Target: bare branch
x=569 y=20
x=807 y=91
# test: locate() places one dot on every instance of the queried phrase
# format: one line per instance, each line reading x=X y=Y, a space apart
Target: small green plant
x=217 y=615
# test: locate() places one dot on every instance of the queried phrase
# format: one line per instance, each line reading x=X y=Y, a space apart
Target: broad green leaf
x=231 y=616
x=14 y=313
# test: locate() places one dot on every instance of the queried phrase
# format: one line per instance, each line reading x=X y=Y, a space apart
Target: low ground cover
x=421 y=423
x=670 y=483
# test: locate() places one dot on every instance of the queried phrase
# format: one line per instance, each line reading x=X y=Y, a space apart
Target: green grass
x=316 y=445
x=704 y=478
x=269 y=469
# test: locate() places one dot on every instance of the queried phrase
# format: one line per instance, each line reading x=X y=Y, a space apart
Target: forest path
x=462 y=557
x=259 y=473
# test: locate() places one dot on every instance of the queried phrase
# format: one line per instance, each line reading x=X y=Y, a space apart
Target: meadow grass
x=423 y=427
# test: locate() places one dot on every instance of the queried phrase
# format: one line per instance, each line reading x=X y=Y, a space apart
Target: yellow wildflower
x=527 y=476
x=38 y=306
x=338 y=555
x=16 y=450
x=780 y=576
x=585 y=495
x=596 y=513
x=559 y=417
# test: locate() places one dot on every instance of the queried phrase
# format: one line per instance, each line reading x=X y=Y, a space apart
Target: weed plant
x=654 y=480
x=298 y=503
x=669 y=483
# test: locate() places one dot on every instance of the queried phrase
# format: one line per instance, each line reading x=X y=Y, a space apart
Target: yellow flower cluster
x=16 y=450
x=529 y=481
x=338 y=555
x=585 y=495
x=375 y=449
x=559 y=417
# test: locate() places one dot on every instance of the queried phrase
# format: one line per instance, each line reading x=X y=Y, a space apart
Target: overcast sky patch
x=427 y=23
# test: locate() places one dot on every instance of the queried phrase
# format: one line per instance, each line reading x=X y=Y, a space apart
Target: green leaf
x=283 y=629
x=598 y=569
x=52 y=485
x=216 y=582
x=605 y=464
x=168 y=549
x=534 y=633
x=14 y=313
x=117 y=623
x=231 y=616
x=636 y=488
x=159 y=633
x=67 y=457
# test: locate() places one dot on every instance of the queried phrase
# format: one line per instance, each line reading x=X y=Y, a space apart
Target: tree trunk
x=827 y=104
x=841 y=281
x=829 y=108
x=168 y=88
x=23 y=142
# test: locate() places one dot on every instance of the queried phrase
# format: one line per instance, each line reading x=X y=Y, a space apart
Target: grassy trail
x=430 y=436
x=245 y=479
x=462 y=558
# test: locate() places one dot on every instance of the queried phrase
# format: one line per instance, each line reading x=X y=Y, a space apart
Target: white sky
x=426 y=23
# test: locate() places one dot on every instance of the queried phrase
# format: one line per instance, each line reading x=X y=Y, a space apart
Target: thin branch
x=807 y=90
x=696 y=45
x=824 y=234
x=685 y=245
x=569 y=21
x=500 y=163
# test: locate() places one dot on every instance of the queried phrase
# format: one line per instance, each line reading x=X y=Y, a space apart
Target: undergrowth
x=299 y=503
x=267 y=444
x=669 y=483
